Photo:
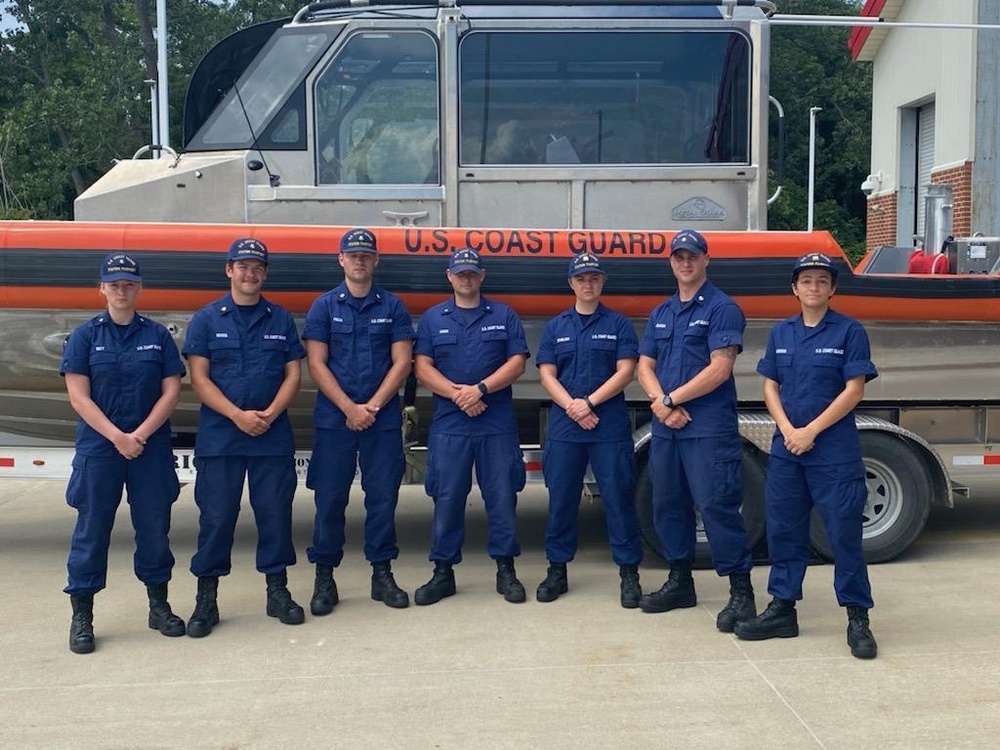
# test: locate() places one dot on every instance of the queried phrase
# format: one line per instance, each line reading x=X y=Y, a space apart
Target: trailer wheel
x=752 y=508
x=899 y=499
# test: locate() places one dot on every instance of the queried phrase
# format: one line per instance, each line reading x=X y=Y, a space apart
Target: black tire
x=900 y=487
x=752 y=508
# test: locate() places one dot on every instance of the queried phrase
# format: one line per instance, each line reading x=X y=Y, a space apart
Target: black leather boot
x=161 y=617
x=507 y=583
x=81 y=627
x=779 y=620
x=676 y=593
x=741 y=605
x=555 y=583
x=206 y=609
x=442 y=584
x=859 y=635
x=631 y=591
x=384 y=588
x=325 y=596
x=279 y=601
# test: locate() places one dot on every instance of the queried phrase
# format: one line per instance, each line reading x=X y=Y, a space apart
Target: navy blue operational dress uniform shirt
x=681 y=336
x=812 y=366
x=247 y=358
x=467 y=346
x=126 y=370
x=360 y=335
x=586 y=354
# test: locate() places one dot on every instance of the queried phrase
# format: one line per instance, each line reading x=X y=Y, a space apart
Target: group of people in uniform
x=123 y=374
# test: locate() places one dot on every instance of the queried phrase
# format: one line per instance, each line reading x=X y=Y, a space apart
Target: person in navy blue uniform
x=586 y=358
x=815 y=368
x=686 y=362
x=469 y=351
x=244 y=353
x=359 y=341
x=123 y=376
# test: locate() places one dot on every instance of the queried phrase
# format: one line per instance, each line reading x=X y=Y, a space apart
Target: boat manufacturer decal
x=699 y=209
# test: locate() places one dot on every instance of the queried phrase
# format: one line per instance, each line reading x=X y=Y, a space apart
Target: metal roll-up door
x=925 y=159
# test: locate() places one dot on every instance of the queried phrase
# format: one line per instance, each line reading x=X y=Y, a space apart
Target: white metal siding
x=914 y=66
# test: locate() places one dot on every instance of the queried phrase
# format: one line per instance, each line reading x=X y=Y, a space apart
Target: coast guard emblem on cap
x=464 y=260
x=248 y=248
x=690 y=240
x=358 y=240
x=584 y=263
x=817 y=261
x=120 y=267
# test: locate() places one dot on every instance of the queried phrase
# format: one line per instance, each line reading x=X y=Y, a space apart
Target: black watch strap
x=482 y=387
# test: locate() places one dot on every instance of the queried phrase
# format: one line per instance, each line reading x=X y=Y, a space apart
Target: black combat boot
x=740 y=606
x=384 y=588
x=859 y=635
x=631 y=591
x=206 y=609
x=279 y=601
x=555 y=583
x=81 y=627
x=325 y=596
x=676 y=593
x=161 y=617
x=507 y=583
x=442 y=584
x=779 y=620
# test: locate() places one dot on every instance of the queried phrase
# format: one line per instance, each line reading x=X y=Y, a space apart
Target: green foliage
x=812 y=67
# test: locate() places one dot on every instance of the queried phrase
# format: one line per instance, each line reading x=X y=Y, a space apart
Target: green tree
x=811 y=66
x=67 y=94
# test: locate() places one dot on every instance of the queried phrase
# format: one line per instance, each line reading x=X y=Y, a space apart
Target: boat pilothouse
x=480 y=113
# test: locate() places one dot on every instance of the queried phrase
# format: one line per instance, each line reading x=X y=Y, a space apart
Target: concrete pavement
x=475 y=672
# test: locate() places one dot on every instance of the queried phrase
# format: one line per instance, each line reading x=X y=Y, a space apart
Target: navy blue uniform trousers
x=707 y=474
x=335 y=457
x=499 y=466
x=217 y=493
x=839 y=494
x=564 y=466
x=95 y=491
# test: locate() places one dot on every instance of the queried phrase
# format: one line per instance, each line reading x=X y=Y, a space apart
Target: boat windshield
x=661 y=97
x=271 y=82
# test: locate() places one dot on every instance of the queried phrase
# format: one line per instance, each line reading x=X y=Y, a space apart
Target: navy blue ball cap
x=818 y=261
x=465 y=259
x=247 y=248
x=690 y=240
x=120 y=267
x=358 y=240
x=584 y=263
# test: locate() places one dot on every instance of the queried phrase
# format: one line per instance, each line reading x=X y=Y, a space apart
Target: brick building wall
x=960 y=179
x=882 y=209
x=881 y=228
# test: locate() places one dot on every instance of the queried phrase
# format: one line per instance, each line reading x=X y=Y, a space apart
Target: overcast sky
x=6 y=21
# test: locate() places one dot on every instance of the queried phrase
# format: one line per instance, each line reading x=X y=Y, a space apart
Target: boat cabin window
x=266 y=108
x=671 y=97
x=377 y=110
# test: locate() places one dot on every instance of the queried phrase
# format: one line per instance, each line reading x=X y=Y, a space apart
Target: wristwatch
x=667 y=401
x=482 y=387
